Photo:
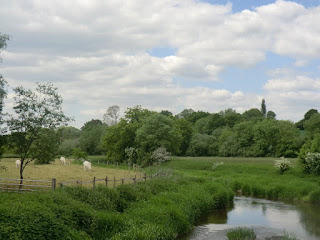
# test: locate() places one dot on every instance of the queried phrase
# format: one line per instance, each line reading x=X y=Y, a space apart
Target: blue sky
x=169 y=54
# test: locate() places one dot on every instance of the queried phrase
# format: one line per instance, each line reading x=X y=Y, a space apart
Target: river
x=266 y=218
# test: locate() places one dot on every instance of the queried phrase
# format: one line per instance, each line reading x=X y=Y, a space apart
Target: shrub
x=160 y=155
x=282 y=165
x=312 y=163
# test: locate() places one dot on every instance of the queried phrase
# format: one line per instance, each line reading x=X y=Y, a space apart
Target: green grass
x=242 y=233
x=161 y=208
x=255 y=177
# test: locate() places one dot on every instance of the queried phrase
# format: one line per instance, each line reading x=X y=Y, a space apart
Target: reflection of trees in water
x=217 y=216
x=310 y=218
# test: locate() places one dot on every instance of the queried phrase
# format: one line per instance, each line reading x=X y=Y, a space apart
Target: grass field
x=255 y=177
x=62 y=173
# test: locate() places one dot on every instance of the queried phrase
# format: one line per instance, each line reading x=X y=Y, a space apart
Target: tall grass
x=157 y=209
x=253 y=177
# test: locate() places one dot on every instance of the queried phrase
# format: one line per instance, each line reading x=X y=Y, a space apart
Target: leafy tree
x=44 y=149
x=263 y=107
x=33 y=112
x=136 y=114
x=185 y=129
x=3 y=44
x=111 y=117
x=228 y=144
x=77 y=153
x=157 y=131
x=194 y=116
x=253 y=114
x=312 y=125
x=200 y=145
x=271 y=114
x=91 y=136
x=185 y=113
x=160 y=155
x=166 y=113
x=69 y=132
x=69 y=139
x=309 y=113
x=230 y=117
x=118 y=138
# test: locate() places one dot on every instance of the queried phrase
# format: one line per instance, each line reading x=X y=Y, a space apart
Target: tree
x=271 y=114
x=118 y=138
x=3 y=44
x=157 y=131
x=263 y=107
x=185 y=113
x=309 y=113
x=33 y=112
x=166 y=113
x=91 y=136
x=44 y=149
x=253 y=114
x=111 y=117
x=69 y=139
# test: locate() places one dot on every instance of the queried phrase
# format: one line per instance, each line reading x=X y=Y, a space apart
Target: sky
x=207 y=55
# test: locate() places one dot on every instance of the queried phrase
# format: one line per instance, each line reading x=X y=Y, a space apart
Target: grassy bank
x=157 y=209
x=255 y=177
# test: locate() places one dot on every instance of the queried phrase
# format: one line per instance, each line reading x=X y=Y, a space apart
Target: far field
x=62 y=173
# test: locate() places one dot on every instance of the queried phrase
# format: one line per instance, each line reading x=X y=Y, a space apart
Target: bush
x=312 y=163
x=282 y=165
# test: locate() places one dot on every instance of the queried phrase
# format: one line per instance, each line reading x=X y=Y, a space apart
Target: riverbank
x=256 y=177
x=161 y=208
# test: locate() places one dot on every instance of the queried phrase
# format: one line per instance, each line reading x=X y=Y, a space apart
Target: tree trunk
x=21 y=173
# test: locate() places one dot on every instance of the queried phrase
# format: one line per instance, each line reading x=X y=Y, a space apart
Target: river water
x=266 y=218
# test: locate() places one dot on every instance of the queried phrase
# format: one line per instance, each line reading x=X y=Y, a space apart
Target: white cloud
x=96 y=51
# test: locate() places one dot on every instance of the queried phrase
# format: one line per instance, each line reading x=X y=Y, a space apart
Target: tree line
x=37 y=131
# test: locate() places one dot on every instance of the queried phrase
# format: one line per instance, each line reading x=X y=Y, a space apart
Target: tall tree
x=3 y=93
x=111 y=117
x=33 y=112
x=91 y=136
x=263 y=107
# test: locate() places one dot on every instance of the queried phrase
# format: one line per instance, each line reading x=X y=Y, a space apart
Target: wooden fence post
x=114 y=181
x=53 y=183
x=94 y=182
x=61 y=184
x=122 y=181
x=106 y=181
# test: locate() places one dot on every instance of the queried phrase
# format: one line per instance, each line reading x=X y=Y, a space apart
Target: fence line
x=15 y=185
x=20 y=187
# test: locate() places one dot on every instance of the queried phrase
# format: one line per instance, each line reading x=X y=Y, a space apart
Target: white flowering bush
x=216 y=164
x=160 y=155
x=312 y=163
x=282 y=165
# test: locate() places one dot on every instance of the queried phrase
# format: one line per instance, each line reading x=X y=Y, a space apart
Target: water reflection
x=303 y=220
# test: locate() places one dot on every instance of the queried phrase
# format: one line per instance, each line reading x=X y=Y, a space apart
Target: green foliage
x=200 y=145
x=158 y=131
x=90 y=139
x=185 y=129
x=312 y=125
x=77 y=153
x=253 y=114
x=45 y=147
x=282 y=165
x=242 y=233
x=118 y=138
x=34 y=111
x=160 y=155
x=311 y=163
x=263 y=108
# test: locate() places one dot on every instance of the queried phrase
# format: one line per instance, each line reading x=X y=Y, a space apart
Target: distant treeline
x=133 y=138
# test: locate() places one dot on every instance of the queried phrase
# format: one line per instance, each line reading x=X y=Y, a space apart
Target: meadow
x=159 y=208
x=255 y=177
x=63 y=173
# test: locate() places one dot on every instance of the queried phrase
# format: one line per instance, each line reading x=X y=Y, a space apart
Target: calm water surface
x=303 y=220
